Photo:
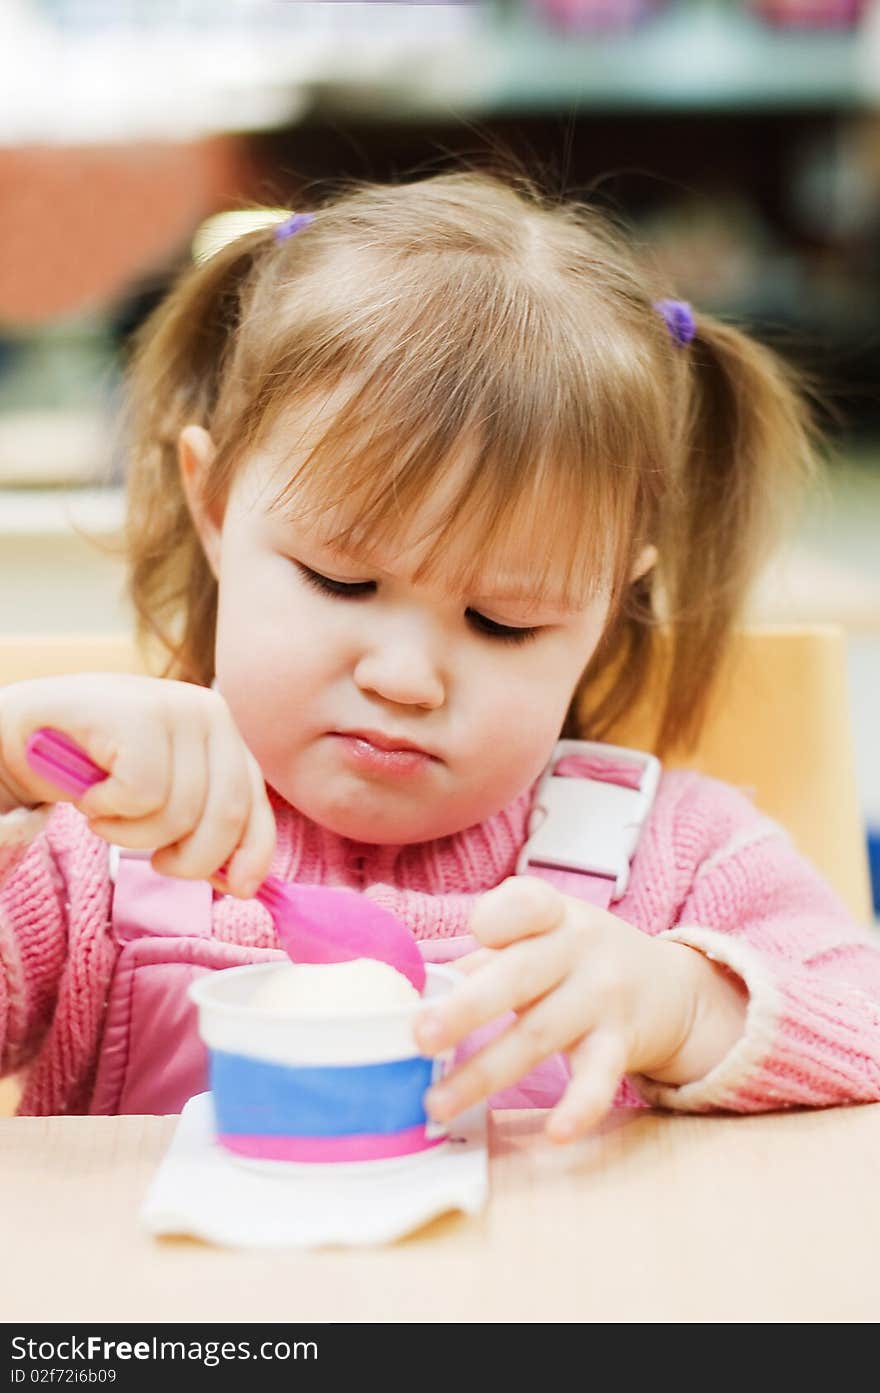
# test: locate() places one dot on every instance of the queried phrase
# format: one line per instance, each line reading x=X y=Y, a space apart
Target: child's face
x=299 y=667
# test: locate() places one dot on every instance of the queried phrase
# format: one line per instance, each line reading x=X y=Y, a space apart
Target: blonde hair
x=472 y=306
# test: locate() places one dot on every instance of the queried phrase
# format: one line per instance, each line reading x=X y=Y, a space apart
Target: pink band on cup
x=355 y=1147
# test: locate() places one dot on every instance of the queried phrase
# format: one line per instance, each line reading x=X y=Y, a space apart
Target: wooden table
x=655 y=1217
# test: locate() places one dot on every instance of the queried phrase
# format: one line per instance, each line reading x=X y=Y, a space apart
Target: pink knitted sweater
x=710 y=871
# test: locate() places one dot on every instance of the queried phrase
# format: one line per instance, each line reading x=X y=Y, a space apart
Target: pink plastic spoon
x=315 y=923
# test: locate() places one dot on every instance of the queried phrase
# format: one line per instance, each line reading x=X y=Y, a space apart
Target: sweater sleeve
x=761 y=910
x=33 y=932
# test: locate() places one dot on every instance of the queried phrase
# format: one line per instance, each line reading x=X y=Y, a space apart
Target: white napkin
x=201 y=1190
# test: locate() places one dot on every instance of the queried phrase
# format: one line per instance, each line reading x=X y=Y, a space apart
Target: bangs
x=515 y=488
x=499 y=505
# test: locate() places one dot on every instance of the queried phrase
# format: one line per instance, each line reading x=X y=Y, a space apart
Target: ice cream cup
x=317 y=1086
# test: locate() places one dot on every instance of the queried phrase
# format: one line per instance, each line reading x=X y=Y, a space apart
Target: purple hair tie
x=295 y=223
x=679 y=319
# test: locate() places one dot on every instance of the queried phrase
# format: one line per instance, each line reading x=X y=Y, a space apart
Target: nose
x=400 y=667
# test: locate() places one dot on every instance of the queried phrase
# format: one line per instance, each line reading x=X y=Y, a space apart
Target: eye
x=504 y=633
x=335 y=587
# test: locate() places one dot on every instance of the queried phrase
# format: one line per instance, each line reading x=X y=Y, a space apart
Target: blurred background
x=741 y=139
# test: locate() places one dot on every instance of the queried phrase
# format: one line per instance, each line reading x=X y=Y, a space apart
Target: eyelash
x=351 y=590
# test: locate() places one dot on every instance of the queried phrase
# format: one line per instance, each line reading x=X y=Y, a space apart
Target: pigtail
x=750 y=448
x=743 y=447
x=174 y=379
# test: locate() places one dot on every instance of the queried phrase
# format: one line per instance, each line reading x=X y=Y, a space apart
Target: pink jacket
x=710 y=871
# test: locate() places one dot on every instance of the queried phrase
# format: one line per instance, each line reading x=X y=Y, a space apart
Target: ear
x=195 y=454
x=647 y=558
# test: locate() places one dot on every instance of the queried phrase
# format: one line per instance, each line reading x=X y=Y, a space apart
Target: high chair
x=779 y=727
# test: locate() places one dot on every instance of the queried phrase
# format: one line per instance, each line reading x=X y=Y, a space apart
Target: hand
x=181 y=778
x=580 y=980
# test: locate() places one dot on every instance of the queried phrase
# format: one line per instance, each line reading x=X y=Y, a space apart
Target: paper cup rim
x=201 y=993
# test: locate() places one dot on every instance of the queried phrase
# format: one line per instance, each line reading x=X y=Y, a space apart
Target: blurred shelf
x=273 y=65
x=692 y=57
x=689 y=57
x=61 y=568
x=45 y=512
x=49 y=447
x=802 y=586
x=831 y=572
x=115 y=73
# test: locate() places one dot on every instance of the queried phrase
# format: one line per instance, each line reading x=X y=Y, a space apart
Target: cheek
x=528 y=698
x=268 y=656
x=517 y=709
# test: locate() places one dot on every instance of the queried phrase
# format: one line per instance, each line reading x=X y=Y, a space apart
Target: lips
x=382 y=741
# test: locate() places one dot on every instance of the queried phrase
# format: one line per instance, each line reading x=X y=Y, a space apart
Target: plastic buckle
x=583 y=824
x=113 y=858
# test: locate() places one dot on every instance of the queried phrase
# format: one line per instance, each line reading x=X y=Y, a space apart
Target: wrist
x=712 y=1003
x=674 y=1007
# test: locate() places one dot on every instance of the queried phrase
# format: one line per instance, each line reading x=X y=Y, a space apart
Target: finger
x=548 y=1026
x=138 y=785
x=519 y=907
x=510 y=980
x=225 y=812
x=597 y=1064
x=471 y=962
x=252 y=860
x=183 y=807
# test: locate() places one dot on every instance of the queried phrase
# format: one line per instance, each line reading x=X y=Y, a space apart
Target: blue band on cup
x=257 y=1098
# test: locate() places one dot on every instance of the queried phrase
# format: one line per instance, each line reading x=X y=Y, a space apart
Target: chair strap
x=589 y=808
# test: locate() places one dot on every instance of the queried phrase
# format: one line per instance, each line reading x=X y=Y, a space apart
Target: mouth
x=389 y=744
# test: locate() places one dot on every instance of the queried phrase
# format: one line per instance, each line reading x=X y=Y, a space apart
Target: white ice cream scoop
x=358 y=985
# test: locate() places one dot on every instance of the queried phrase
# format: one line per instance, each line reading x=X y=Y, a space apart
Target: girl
x=417 y=481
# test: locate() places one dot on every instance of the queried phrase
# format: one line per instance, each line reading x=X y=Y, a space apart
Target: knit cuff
x=18 y=829
x=743 y=1063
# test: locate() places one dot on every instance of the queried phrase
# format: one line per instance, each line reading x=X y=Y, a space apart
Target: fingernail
x=561 y=1130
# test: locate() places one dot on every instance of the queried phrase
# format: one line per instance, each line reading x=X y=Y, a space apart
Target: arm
x=33 y=933
x=781 y=953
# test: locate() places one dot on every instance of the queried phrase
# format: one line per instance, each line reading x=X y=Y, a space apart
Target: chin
x=359 y=825
x=363 y=815
x=369 y=812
